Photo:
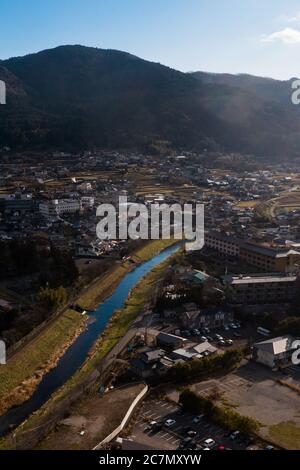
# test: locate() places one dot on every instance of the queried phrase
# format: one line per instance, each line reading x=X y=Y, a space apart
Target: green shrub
x=222 y=416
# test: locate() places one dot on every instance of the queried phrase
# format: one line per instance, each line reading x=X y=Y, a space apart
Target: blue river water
x=78 y=351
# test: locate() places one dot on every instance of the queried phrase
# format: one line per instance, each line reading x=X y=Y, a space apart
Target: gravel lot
x=96 y=416
x=253 y=390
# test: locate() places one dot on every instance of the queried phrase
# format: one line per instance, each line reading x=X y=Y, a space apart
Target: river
x=78 y=351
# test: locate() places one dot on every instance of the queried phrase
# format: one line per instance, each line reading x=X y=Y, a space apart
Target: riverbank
x=25 y=370
x=116 y=336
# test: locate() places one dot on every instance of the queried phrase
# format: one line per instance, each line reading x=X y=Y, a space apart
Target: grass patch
x=247 y=204
x=286 y=435
x=152 y=249
x=40 y=351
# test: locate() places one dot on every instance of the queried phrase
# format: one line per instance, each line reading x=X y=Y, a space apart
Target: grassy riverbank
x=24 y=371
x=105 y=286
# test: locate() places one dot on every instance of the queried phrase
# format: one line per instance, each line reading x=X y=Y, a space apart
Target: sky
x=260 y=37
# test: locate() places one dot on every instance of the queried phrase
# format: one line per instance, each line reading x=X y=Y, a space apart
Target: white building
x=87 y=202
x=274 y=352
x=59 y=207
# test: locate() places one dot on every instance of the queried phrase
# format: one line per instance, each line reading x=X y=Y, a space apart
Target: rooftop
x=258 y=278
x=276 y=346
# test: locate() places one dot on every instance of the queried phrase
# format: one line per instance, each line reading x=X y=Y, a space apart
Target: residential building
x=270 y=259
x=58 y=207
x=225 y=244
x=275 y=352
x=195 y=352
x=169 y=341
x=207 y=318
x=22 y=203
x=260 y=288
x=87 y=202
x=267 y=258
x=151 y=362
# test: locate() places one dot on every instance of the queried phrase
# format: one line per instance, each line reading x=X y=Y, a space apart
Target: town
x=200 y=354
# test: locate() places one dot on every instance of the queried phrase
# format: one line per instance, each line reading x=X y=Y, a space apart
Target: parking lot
x=173 y=437
x=225 y=337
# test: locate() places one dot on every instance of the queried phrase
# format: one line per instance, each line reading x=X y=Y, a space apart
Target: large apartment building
x=223 y=243
x=260 y=288
x=58 y=207
x=265 y=258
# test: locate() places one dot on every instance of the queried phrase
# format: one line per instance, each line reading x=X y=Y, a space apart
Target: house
x=195 y=352
x=145 y=364
x=207 y=318
x=151 y=362
x=169 y=341
x=274 y=352
x=199 y=277
x=152 y=356
x=205 y=347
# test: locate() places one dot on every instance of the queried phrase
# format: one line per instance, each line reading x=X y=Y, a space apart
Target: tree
x=222 y=416
x=51 y=299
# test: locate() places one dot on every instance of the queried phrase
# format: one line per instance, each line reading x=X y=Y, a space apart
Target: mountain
x=75 y=96
x=266 y=121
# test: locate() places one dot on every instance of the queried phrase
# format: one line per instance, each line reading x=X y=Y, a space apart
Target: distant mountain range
x=79 y=97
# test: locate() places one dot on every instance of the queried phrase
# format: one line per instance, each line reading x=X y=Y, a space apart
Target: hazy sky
x=260 y=37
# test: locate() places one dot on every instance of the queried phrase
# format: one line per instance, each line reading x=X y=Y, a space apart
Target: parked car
x=218 y=337
x=235 y=435
x=237 y=335
x=209 y=443
x=203 y=339
x=170 y=422
x=197 y=419
x=150 y=426
x=192 y=433
x=226 y=328
x=186 y=441
x=229 y=342
x=186 y=429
